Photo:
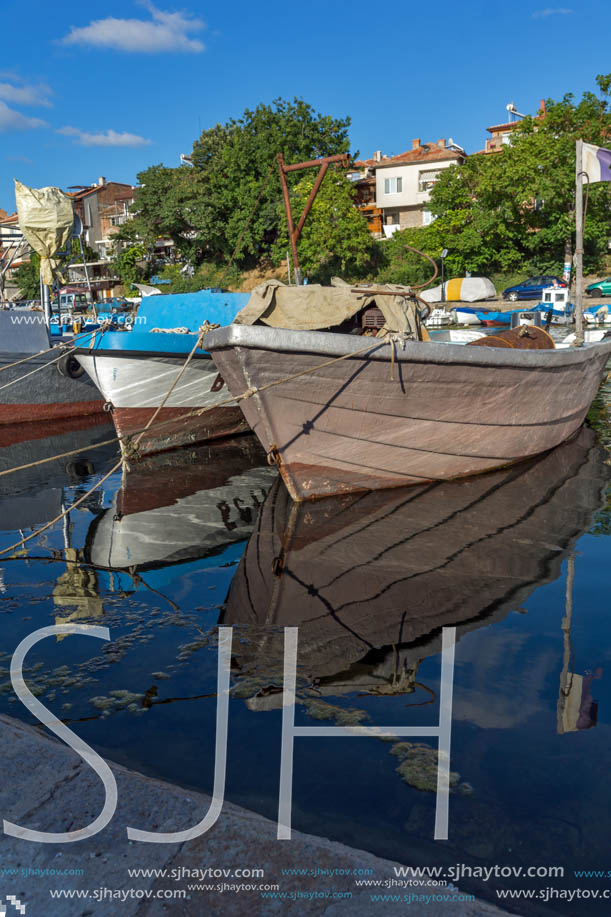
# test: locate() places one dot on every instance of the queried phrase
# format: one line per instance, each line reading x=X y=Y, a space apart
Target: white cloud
x=163 y=32
x=25 y=95
x=556 y=11
x=104 y=138
x=11 y=120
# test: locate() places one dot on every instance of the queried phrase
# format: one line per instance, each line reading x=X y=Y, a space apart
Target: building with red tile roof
x=393 y=191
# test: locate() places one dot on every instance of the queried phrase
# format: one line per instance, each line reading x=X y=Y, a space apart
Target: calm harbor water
x=518 y=561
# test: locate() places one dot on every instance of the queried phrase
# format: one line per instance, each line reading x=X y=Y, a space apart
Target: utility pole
x=579 y=243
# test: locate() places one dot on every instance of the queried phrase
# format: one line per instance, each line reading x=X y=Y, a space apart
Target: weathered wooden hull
x=45 y=395
x=135 y=384
x=431 y=412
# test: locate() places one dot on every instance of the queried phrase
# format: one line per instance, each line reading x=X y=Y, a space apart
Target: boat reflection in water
x=182 y=507
x=371 y=579
x=35 y=494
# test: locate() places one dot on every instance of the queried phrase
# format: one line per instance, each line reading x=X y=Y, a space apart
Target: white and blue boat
x=134 y=370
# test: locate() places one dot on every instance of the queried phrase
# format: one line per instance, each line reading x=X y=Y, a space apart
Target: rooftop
x=426 y=152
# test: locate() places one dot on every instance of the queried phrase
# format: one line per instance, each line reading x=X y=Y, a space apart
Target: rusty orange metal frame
x=295 y=231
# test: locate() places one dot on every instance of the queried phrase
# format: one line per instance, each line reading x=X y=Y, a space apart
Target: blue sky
x=109 y=88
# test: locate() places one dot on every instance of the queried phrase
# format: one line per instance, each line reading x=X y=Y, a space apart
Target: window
x=393 y=185
x=426 y=180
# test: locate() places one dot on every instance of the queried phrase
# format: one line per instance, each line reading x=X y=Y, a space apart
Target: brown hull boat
x=406 y=412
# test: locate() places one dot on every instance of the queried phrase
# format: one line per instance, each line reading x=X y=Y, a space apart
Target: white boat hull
x=134 y=385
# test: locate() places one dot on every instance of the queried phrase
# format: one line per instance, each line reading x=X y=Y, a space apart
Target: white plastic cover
x=462 y=289
x=46 y=218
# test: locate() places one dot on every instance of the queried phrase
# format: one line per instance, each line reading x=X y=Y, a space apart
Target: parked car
x=114 y=305
x=600 y=288
x=532 y=288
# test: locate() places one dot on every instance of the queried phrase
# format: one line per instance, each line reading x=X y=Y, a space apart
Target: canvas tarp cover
x=461 y=289
x=46 y=218
x=312 y=307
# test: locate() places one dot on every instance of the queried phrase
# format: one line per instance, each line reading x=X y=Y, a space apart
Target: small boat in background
x=465 y=316
x=438 y=318
x=597 y=315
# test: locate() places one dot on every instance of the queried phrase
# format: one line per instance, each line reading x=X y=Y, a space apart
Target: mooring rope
x=122 y=461
x=66 y=352
x=63 y=514
x=41 y=353
x=198 y=344
x=248 y=393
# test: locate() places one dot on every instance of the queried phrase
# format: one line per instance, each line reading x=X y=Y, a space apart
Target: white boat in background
x=597 y=315
x=556 y=301
x=438 y=318
x=465 y=317
x=460 y=289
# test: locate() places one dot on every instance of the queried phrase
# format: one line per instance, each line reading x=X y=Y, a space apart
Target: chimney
x=442 y=143
x=377 y=155
x=101 y=181
x=416 y=144
x=542 y=110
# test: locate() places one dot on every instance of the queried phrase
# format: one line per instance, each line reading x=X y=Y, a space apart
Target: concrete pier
x=48 y=787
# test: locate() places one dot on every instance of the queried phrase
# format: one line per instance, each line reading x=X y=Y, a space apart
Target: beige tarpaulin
x=46 y=219
x=312 y=307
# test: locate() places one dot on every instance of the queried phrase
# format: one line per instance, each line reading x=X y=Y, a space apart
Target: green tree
x=27 y=278
x=163 y=208
x=232 y=192
x=127 y=262
x=515 y=209
x=335 y=238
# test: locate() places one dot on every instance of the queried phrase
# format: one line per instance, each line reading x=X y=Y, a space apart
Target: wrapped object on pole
x=46 y=218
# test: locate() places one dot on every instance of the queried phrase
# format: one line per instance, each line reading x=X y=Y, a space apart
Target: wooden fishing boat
x=404 y=411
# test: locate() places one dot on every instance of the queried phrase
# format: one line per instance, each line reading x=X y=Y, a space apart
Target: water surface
x=518 y=561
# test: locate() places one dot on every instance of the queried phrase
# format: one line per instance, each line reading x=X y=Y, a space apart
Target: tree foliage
x=127 y=262
x=232 y=192
x=335 y=238
x=27 y=278
x=516 y=208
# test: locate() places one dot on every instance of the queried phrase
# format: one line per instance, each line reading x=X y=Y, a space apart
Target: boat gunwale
x=330 y=344
x=179 y=356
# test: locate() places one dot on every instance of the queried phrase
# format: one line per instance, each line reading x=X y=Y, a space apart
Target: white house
x=403 y=182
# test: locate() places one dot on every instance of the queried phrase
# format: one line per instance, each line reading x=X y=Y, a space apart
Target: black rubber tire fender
x=69 y=367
